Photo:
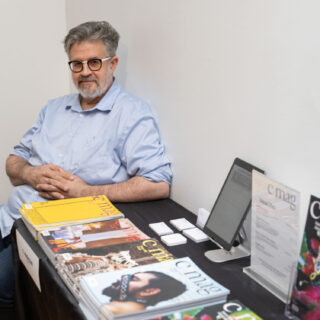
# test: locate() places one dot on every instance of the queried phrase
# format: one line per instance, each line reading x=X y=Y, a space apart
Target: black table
x=56 y=302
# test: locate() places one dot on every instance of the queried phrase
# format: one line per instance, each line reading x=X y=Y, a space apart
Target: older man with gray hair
x=100 y=141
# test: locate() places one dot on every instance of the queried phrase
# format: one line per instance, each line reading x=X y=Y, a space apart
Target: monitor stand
x=221 y=255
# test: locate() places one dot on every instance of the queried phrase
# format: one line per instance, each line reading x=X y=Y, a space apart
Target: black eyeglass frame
x=88 y=63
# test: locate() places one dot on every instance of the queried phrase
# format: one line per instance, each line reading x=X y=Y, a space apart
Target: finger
x=45 y=195
x=45 y=180
x=59 y=185
x=49 y=170
x=57 y=195
x=60 y=175
x=46 y=187
x=53 y=167
x=51 y=195
x=66 y=174
x=55 y=181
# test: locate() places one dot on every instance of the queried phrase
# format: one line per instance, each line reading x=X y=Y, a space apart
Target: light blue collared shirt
x=117 y=139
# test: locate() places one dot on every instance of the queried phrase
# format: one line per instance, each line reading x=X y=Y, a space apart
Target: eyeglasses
x=93 y=64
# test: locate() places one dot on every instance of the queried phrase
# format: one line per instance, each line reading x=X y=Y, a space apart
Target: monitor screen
x=232 y=205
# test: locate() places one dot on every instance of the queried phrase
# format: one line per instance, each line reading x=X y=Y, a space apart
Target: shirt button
x=70 y=134
x=60 y=155
x=81 y=115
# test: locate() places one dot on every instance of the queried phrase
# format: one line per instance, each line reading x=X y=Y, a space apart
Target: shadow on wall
x=121 y=72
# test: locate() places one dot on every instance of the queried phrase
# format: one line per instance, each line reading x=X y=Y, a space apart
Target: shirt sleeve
x=143 y=153
x=24 y=148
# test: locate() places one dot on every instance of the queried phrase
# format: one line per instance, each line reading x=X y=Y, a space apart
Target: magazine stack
x=115 y=270
x=67 y=239
x=99 y=247
x=148 y=291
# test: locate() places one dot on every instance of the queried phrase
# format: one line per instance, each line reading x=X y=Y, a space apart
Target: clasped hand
x=53 y=182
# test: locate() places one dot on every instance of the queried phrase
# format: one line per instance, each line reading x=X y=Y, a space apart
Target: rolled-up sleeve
x=24 y=148
x=142 y=150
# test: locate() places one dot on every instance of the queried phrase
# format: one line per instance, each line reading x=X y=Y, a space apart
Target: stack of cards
x=181 y=224
x=160 y=228
x=174 y=239
x=196 y=235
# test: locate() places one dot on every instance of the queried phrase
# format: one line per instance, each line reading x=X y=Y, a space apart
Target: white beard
x=99 y=91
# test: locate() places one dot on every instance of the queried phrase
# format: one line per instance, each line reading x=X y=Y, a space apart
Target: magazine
x=230 y=310
x=89 y=235
x=305 y=298
x=147 y=291
x=73 y=266
x=48 y=214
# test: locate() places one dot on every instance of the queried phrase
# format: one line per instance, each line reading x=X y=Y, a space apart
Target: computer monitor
x=231 y=206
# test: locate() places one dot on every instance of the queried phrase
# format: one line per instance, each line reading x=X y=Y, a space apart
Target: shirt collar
x=105 y=104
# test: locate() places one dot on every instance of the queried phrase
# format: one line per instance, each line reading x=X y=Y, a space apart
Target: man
x=140 y=290
x=100 y=141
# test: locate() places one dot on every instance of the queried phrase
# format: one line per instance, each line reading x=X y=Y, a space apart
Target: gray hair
x=93 y=30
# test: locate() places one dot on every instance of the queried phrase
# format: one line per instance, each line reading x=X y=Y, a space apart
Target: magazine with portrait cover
x=305 y=297
x=148 y=291
x=88 y=236
x=230 y=310
x=73 y=266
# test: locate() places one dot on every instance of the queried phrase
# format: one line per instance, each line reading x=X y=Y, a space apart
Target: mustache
x=87 y=79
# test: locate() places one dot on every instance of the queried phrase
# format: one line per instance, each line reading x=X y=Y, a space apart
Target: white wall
x=227 y=78
x=33 y=68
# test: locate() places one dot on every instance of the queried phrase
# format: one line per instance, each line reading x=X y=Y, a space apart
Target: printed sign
x=274 y=229
x=29 y=259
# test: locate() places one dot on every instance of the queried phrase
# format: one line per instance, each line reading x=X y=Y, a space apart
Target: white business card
x=173 y=239
x=182 y=224
x=160 y=228
x=196 y=235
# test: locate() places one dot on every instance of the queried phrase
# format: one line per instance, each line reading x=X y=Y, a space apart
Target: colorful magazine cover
x=230 y=310
x=90 y=235
x=305 y=298
x=73 y=266
x=114 y=257
x=147 y=291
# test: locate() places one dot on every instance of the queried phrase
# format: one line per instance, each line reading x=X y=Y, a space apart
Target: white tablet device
x=232 y=205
